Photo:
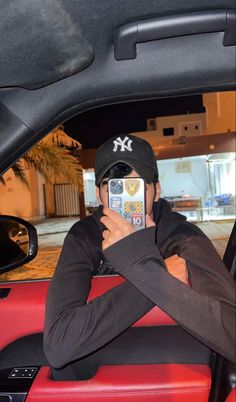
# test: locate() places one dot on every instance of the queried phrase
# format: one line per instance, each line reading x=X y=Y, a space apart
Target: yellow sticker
x=133 y=207
x=132 y=186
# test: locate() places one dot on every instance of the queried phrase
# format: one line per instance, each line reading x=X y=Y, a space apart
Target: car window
x=199 y=183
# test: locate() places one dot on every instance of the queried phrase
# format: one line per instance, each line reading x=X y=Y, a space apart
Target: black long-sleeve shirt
x=75 y=328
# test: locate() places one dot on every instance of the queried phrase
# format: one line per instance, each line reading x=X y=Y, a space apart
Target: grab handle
x=130 y=34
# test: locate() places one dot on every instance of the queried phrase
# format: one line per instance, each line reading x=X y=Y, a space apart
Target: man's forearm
x=81 y=330
x=207 y=318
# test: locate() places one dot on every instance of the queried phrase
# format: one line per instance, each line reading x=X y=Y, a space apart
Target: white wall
x=194 y=183
x=89 y=187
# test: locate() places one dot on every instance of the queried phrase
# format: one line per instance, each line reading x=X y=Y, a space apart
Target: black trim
x=4 y=292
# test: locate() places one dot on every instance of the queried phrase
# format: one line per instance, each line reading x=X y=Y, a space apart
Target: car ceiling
x=57 y=58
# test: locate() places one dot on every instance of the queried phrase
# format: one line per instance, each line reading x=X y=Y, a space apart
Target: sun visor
x=40 y=44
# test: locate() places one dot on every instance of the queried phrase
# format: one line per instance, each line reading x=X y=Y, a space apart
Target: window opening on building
x=168 y=131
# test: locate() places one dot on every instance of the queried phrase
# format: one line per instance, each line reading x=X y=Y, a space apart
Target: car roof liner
x=40 y=44
x=58 y=58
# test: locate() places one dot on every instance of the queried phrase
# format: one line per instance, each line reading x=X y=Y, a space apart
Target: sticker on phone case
x=132 y=186
x=136 y=219
x=133 y=207
x=116 y=202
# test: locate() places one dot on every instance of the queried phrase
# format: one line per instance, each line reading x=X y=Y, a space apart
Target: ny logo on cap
x=124 y=145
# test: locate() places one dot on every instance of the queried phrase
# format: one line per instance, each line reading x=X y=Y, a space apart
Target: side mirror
x=18 y=242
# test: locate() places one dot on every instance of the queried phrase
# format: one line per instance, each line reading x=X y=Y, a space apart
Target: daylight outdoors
x=195 y=150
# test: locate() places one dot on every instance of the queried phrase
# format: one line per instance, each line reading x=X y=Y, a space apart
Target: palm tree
x=52 y=158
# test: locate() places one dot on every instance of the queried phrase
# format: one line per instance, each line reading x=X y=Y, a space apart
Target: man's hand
x=176 y=266
x=117 y=227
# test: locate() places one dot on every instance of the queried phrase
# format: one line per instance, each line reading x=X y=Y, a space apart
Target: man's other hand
x=177 y=267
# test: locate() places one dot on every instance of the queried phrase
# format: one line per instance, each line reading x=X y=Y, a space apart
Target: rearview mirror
x=18 y=242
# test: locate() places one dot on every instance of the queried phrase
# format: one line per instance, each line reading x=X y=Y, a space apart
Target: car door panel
x=164 y=382
x=23 y=313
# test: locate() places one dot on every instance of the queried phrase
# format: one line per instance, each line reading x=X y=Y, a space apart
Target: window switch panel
x=23 y=372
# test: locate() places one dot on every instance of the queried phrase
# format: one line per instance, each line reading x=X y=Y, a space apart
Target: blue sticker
x=116 y=202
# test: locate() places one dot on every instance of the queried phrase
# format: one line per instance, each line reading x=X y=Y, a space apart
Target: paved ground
x=51 y=234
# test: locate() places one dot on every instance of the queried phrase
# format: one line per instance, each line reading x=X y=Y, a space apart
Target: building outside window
x=200 y=187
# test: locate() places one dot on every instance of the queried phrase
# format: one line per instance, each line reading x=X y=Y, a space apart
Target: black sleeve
x=206 y=309
x=75 y=328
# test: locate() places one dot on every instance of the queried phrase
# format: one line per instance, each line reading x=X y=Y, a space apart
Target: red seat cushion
x=131 y=383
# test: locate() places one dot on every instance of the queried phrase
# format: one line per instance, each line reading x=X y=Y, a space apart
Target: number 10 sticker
x=136 y=220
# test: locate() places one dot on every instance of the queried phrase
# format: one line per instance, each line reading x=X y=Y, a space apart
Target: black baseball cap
x=134 y=151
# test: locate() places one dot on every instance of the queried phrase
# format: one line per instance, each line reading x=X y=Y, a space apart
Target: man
x=201 y=299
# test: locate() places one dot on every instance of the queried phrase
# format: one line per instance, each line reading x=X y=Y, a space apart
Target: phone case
x=126 y=196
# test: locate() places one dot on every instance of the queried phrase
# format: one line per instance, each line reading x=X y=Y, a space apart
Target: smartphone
x=126 y=196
